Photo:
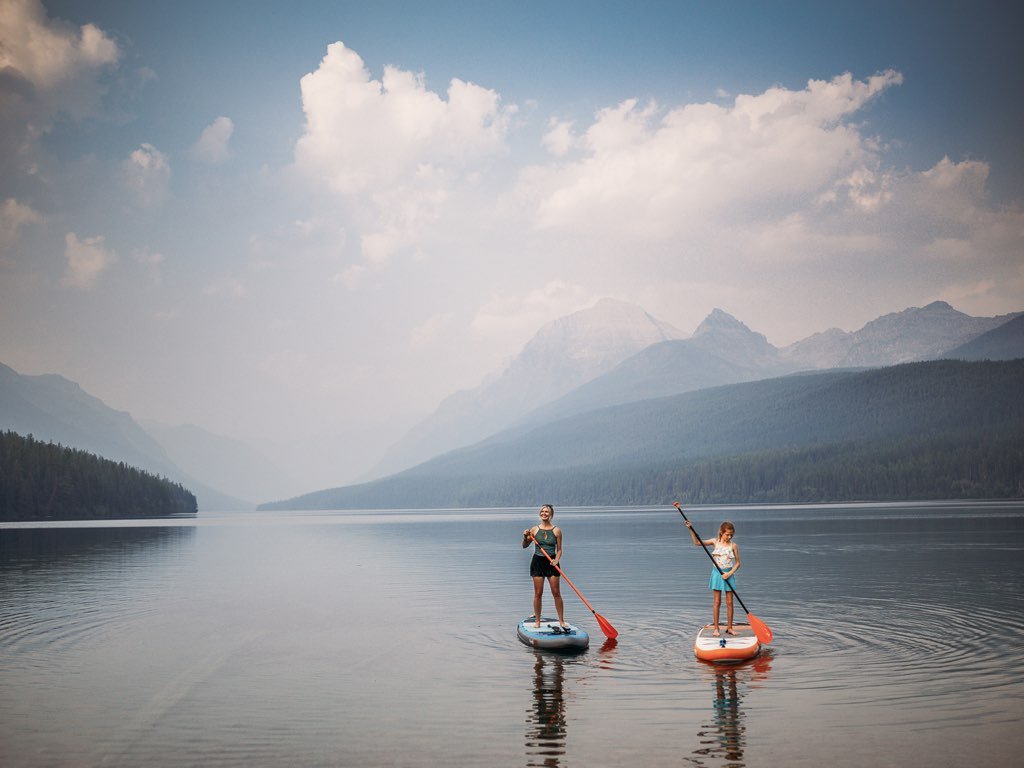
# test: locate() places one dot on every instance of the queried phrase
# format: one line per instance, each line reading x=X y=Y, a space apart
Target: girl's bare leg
x=718 y=607
x=728 y=612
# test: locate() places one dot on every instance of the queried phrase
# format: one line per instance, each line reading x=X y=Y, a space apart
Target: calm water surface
x=344 y=639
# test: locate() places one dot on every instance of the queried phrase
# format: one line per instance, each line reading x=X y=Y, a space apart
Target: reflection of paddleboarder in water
x=545 y=738
x=723 y=738
x=549 y=538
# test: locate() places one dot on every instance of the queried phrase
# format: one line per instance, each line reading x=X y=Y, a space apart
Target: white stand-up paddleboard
x=726 y=648
x=550 y=636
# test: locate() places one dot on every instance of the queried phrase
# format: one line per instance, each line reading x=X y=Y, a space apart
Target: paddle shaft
x=606 y=626
x=708 y=553
x=562 y=574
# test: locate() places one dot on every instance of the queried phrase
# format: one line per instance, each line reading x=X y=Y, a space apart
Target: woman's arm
x=558 y=545
x=526 y=537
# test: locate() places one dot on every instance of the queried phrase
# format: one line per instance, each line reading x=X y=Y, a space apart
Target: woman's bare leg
x=556 y=593
x=538 y=594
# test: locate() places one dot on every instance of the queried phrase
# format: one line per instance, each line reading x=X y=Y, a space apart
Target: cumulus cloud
x=392 y=147
x=559 y=139
x=47 y=68
x=147 y=172
x=86 y=259
x=647 y=172
x=212 y=145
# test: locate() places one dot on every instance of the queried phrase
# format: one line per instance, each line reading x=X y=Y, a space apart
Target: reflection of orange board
x=725 y=648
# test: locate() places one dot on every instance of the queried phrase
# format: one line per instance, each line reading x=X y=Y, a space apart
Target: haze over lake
x=338 y=639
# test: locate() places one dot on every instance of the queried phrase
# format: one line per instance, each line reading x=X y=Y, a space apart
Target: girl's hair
x=548 y=506
x=726 y=526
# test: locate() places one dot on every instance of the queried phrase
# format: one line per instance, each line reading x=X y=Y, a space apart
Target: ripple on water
x=928 y=648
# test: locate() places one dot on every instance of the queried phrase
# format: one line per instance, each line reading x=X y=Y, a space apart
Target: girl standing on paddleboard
x=727 y=558
x=549 y=538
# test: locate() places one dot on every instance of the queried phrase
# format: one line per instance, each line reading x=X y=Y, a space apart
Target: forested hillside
x=44 y=481
x=943 y=429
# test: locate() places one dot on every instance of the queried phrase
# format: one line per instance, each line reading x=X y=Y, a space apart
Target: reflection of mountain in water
x=545 y=734
x=722 y=738
x=53 y=546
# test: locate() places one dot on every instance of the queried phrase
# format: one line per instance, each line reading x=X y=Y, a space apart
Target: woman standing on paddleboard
x=548 y=537
x=727 y=559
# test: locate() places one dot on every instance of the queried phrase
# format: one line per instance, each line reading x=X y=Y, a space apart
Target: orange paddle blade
x=609 y=631
x=762 y=630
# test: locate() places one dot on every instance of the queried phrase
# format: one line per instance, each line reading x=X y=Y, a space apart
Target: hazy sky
x=275 y=219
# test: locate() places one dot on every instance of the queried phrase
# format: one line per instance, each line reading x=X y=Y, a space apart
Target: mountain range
x=53 y=409
x=612 y=354
x=722 y=350
x=564 y=354
x=891 y=432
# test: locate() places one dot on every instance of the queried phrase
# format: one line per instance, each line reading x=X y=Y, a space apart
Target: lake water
x=388 y=639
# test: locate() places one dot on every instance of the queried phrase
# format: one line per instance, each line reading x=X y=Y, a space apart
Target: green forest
x=44 y=481
x=919 y=431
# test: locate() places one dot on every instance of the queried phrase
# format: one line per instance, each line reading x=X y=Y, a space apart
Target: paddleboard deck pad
x=726 y=648
x=552 y=637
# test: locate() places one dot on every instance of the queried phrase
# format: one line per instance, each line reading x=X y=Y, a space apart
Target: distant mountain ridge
x=968 y=414
x=611 y=355
x=52 y=408
x=916 y=333
x=1003 y=343
x=722 y=350
x=235 y=468
x=562 y=355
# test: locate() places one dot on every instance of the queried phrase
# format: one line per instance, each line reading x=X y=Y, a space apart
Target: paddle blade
x=609 y=631
x=762 y=630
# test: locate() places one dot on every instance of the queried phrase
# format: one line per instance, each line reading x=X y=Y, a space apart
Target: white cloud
x=212 y=145
x=393 y=148
x=46 y=52
x=652 y=174
x=559 y=139
x=87 y=260
x=147 y=172
x=50 y=68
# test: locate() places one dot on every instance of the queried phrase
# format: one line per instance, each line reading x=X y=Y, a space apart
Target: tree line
x=955 y=465
x=46 y=481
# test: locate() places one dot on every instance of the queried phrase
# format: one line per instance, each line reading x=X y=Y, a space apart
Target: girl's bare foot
x=728 y=631
x=717 y=633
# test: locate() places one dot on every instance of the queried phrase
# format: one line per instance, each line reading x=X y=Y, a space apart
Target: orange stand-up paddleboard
x=726 y=648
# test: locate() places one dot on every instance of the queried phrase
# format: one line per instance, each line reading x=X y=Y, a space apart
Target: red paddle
x=762 y=630
x=609 y=631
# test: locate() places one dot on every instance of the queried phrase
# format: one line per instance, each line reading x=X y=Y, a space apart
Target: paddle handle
x=706 y=552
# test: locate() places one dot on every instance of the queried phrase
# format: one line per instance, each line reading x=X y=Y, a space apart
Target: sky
x=304 y=224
